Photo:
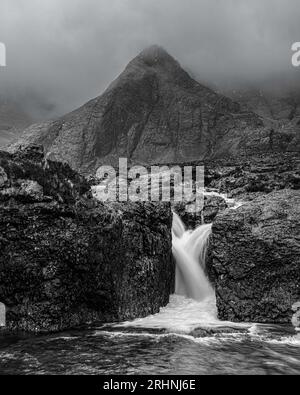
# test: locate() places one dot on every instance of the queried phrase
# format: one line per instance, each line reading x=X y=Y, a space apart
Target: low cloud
x=61 y=53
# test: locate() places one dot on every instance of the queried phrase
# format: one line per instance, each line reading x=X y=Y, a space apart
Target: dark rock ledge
x=254 y=259
x=67 y=260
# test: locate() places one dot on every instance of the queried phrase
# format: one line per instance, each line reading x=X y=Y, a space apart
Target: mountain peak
x=154 y=56
x=154 y=112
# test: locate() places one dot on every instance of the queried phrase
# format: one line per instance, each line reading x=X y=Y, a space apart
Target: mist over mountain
x=18 y=110
x=67 y=52
x=13 y=120
x=154 y=112
x=62 y=54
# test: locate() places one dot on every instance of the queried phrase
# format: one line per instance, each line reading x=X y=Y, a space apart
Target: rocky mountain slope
x=154 y=112
x=269 y=105
x=280 y=110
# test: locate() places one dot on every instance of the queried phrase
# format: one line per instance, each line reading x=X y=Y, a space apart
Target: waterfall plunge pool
x=184 y=338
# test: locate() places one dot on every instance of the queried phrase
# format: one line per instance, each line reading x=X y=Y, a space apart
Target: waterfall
x=2 y=314
x=189 y=250
x=194 y=304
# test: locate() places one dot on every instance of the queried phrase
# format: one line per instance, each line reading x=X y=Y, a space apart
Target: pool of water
x=182 y=339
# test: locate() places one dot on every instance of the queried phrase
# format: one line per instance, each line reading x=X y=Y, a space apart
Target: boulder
x=28 y=176
x=68 y=260
x=254 y=259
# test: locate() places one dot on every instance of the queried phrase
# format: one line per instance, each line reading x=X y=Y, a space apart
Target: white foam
x=2 y=315
x=288 y=340
x=183 y=315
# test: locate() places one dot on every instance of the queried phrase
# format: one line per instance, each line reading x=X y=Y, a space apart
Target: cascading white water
x=189 y=250
x=2 y=314
x=194 y=304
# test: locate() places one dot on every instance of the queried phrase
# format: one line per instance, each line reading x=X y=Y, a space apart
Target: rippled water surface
x=176 y=341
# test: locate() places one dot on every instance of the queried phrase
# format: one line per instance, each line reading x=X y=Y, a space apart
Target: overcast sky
x=68 y=51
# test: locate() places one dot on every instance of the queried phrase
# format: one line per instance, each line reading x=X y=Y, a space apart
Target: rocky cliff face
x=280 y=110
x=68 y=260
x=277 y=104
x=246 y=179
x=254 y=259
x=154 y=112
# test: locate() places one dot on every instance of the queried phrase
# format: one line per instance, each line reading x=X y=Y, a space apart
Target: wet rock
x=23 y=190
x=247 y=179
x=3 y=177
x=29 y=174
x=68 y=260
x=254 y=259
x=212 y=206
x=217 y=331
x=296 y=316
